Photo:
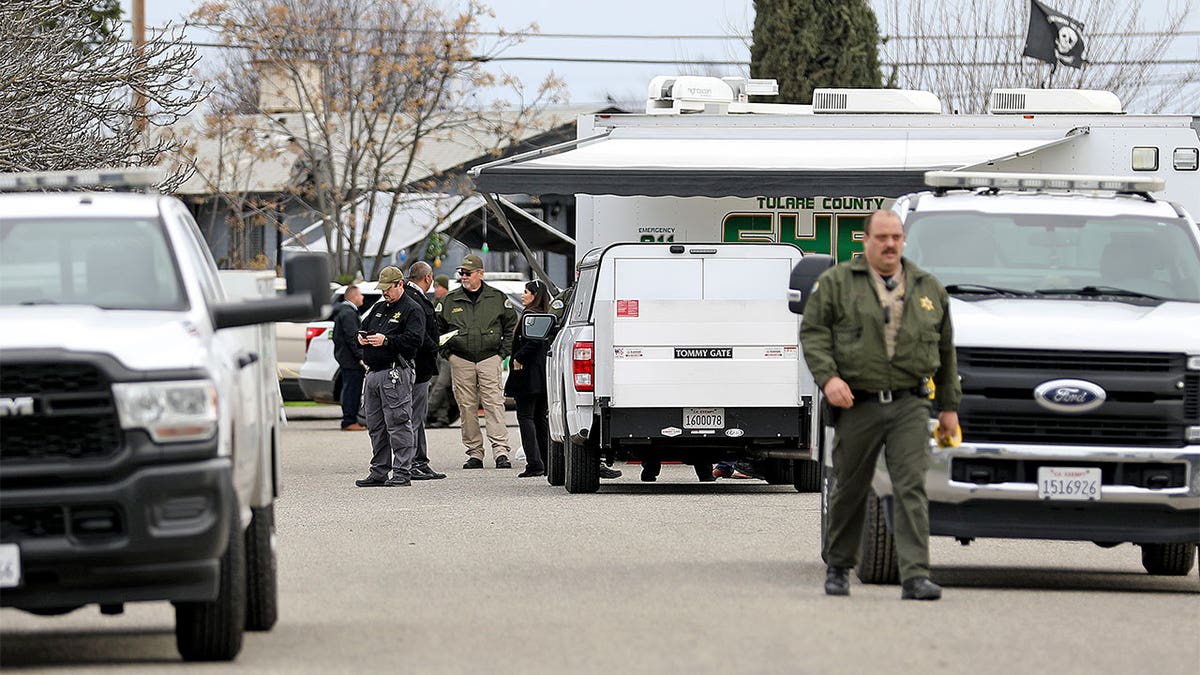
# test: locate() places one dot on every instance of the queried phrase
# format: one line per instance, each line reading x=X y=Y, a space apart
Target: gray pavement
x=487 y=573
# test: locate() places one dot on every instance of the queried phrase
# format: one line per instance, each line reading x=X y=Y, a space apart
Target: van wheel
x=879 y=563
x=776 y=471
x=556 y=460
x=806 y=475
x=262 y=592
x=1173 y=560
x=212 y=631
x=583 y=468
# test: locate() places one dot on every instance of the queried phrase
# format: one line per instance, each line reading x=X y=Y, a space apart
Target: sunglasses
x=463 y=273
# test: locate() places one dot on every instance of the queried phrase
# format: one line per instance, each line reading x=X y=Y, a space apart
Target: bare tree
x=376 y=82
x=67 y=102
x=962 y=50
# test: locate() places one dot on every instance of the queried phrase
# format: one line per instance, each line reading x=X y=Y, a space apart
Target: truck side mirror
x=537 y=326
x=804 y=275
x=308 y=274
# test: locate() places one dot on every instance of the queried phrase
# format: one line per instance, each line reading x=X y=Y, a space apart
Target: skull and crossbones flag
x=1053 y=37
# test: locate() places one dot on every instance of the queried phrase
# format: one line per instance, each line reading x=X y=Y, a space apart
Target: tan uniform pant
x=477 y=385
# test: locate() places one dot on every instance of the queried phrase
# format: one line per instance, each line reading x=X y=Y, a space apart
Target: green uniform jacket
x=842 y=334
x=485 y=327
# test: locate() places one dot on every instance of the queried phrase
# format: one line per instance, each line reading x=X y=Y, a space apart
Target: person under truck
x=876 y=331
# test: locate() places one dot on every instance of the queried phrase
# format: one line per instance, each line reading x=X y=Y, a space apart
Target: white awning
x=695 y=163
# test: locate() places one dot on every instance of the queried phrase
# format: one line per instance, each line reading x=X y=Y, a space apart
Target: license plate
x=10 y=565
x=1068 y=483
x=703 y=418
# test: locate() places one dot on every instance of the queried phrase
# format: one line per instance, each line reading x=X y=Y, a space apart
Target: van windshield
x=1057 y=254
x=111 y=263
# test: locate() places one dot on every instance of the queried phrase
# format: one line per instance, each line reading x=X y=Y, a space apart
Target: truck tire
x=879 y=564
x=1173 y=560
x=212 y=631
x=583 y=468
x=262 y=592
x=556 y=470
x=776 y=471
x=806 y=475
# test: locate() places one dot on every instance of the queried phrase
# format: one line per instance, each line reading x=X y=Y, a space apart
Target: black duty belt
x=887 y=396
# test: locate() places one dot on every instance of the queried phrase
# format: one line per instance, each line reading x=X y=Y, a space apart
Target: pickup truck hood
x=1076 y=324
x=140 y=340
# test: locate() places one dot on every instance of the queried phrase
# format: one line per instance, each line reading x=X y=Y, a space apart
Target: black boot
x=837 y=581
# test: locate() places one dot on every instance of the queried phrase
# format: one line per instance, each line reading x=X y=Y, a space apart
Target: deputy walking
x=875 y=331
x=395 y=329
x=484 y=320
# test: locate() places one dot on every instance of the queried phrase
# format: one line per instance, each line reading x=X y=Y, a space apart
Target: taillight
x=310 y=333
x=583 y=367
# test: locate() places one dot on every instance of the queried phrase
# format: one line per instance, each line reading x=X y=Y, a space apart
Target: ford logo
x=1069 y=396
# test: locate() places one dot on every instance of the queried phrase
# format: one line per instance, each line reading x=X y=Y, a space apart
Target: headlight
x=171 y=411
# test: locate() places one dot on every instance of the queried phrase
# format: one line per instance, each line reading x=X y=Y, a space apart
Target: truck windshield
x=111 y=263
x=1057 y=254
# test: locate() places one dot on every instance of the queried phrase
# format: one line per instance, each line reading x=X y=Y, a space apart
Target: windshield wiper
x=1098 y=290
x=983 y=289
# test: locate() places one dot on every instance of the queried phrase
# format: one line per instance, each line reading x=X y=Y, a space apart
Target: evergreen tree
x=814 y=43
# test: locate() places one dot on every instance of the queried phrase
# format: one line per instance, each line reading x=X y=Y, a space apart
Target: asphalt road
x=483 y=572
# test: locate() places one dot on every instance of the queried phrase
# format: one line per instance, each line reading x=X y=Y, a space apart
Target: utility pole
x=139 y=43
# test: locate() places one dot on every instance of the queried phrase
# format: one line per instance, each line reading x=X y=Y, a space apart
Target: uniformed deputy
x=875 y=331
x=395 y=329
x=485 y=320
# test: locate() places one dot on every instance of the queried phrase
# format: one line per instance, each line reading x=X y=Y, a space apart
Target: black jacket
x=346 y=349
x=403 y=324
x=428 y=353
x=531 y=354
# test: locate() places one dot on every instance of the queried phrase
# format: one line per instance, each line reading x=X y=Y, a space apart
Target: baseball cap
x=388 y=277
x=442 y=280
x=471 y=263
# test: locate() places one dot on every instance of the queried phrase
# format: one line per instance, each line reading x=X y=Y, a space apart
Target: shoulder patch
x=438 y=308
x=508 y=303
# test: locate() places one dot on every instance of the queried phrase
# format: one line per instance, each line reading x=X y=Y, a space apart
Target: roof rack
x=129 y=178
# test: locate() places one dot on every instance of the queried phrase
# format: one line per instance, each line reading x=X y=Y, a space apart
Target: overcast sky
x=593 y=82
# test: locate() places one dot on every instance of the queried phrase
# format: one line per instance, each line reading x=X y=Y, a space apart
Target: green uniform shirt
x=485 y=327
x=842 y=333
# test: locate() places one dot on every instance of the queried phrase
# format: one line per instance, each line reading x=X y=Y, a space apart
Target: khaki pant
x=477 y=385
x=901 y=430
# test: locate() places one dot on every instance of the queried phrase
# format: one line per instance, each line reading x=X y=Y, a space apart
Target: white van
x=679 y=352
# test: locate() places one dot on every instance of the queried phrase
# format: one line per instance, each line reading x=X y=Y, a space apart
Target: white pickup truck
x=1076 y=310
x=140 y=403
x=680 y=352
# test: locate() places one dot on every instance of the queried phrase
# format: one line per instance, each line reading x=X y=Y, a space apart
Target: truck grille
x=73 y=414
x=1146 y=405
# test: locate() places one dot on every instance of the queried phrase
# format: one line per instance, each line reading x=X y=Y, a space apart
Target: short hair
x=352 y=289
x=880 y=212
x=419 y=270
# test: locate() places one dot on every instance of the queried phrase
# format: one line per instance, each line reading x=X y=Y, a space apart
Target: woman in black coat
x=527 y=383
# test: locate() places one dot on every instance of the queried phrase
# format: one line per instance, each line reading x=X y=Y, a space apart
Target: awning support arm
x=511 y=231
x=548 y=150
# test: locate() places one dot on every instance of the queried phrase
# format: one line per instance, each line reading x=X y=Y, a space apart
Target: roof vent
x=1052 y=101
x=896 y=101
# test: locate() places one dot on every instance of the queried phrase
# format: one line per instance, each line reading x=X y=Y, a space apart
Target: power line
x=216 y=28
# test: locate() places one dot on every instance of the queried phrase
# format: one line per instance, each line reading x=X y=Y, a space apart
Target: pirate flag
x=1053 y=37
